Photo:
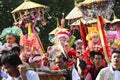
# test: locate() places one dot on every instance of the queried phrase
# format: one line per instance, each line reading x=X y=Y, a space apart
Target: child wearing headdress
x=10 y=42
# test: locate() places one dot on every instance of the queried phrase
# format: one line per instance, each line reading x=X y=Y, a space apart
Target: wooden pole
x=14 y=17
x=103 y=38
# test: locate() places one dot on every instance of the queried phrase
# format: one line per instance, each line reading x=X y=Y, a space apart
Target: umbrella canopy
x=75 y=13
x=88 y=2
x=57 y=29
x=115 y=20
x=107 y=21
x=93 y=1
x=91 y=21
x=85 y=22
x=27 y=5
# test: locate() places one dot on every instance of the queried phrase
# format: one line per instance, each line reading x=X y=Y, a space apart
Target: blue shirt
x=3 y=74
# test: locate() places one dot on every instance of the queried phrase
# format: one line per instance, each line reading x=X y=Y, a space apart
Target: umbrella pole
x=20 y=15
x=42 y=51
x=14 y=18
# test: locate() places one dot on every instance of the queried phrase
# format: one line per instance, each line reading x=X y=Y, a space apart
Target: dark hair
x=116 y=51
x=99 y=53
x=82 y=65
x=61 y=57
x=91 y=54
x=65 y=59
x=3 y=51
x=10 y=58
x=16 y=48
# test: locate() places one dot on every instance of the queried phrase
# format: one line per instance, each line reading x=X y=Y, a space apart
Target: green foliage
x=78 y=1
x=6 y=6
x=117 y=8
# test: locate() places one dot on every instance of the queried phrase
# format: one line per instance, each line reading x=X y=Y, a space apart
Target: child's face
x=27 y=46
x=95 y=38
x=79 y=46
x=10 y=39
x=63 y=40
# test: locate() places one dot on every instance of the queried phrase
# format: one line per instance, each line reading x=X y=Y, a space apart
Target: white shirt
x=108 y=74
x=31 y=75
x=75 y=75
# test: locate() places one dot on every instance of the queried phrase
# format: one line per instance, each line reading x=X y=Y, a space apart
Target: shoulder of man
x=32 y=75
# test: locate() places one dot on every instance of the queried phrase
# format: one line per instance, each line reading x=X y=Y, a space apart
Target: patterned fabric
x=108 y=74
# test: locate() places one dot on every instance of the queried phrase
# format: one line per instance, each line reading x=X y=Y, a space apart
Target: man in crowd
x=15 y=69
x=112 y=72
x=96 y=66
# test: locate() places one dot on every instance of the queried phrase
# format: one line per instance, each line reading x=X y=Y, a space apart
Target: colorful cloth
x=108 y=74
x=8 y=46
x=94 y=72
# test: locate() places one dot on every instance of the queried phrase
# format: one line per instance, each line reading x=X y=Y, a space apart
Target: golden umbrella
x=27 y=5
x=74 y=13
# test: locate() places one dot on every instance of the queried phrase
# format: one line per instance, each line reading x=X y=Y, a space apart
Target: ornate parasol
x=115 y=25
x=91 y=21
x=74 y=13
x=97 y=7
x=88 y=3
x=28 y=5
x=26 y=8
x=115 y=20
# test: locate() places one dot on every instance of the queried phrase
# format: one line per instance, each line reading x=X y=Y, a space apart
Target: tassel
x=29 y=30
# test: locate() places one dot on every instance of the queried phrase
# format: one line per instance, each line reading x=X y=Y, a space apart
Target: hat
x=71 y=53
x=28 y=42
x=79 y=41
x=36 y=58
x=62 y=34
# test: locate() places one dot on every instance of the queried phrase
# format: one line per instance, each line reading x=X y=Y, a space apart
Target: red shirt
x=55 y=68
x=94 y=72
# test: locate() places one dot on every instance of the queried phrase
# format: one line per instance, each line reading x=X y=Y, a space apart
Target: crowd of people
x=79 y=63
